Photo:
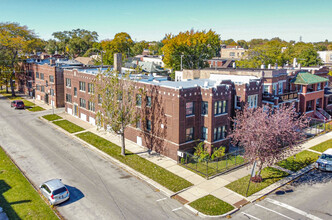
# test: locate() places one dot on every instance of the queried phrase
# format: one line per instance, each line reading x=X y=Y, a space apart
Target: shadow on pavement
x=313 y=177
x=75 y=195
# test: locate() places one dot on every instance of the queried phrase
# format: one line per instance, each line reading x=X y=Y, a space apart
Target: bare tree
x=116 y=94
x=267 y=135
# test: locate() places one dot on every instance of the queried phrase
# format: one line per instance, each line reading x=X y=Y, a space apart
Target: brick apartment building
x=279 y=87
x=43 y=79
x=174 y=115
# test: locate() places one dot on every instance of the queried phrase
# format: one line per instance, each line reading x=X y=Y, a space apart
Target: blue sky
x=151 y=20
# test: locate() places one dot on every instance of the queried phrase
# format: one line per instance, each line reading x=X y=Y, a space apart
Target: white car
x=55 y=191
x=324 y=162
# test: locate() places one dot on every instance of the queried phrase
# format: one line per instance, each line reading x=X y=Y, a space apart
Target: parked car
x=55 y=191
x=17 y=104
x=324 y=162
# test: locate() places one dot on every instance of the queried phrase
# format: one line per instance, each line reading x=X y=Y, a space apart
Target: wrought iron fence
x=317 y=126
x=210 y=168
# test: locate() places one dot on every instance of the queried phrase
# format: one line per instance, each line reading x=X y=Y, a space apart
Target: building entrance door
x=75 y=110
x=46 y=98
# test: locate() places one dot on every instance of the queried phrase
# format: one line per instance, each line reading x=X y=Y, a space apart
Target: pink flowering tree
x=267 y=136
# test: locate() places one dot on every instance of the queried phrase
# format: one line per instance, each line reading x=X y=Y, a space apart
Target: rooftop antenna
x=300 y=38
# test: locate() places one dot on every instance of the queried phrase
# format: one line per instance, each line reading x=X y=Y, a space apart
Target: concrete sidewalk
x=201 y=186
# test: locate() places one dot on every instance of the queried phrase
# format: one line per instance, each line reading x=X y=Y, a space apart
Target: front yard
x=147 y=168
x=299 y=161
x=270 y=175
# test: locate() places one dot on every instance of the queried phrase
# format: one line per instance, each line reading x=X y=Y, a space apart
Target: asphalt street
x=98 y=188
x=308 y=197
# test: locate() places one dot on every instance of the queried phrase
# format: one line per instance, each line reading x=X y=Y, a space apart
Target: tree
x=74 y=43
x=304 y=52
x=193 y=47
x=121 y=43
x=267 y=53
x=138 y=47
x=15 y=40
x=267 y=136
x=118 y=109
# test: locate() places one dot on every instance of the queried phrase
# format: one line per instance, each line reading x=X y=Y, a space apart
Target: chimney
x=262 y=66
x=117 y=62
x=269 y=66
x=52 y=62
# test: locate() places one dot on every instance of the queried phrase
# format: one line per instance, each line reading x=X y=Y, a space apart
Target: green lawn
x=211 y=205
x=323 y=146
x=300 y=161
x=214 y=167
x=270 y=175
x=52 y=117
x=18 y=198
x=149 y=169
x=68 y=126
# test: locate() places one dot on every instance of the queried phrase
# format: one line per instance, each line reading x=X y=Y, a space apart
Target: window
x=68 y=98
x=205 y=108
x=319 y=87
x=82 y=86
x=91 y=88
x=82 y=103
x=204 y=133
x=37 y=87
x=189 y=134
x=138 y=100
x=330 y=56
x=42 y=89
x=266 y=89
x=220 y=107
x=148 y=101
x=189 y=108
x=310 y=106
x=75 y=91
x=326 y=84
x=52 y=92
x=37 y=75
x=237 y=101
x=252 y=101
x=280 y=87
x=91 y=106
x=138 y=124
x=42 y=76
x=274 y=89
x=232 y=54
x=148 y=125
x=219 y=133
x=52 y=79
x=100 y=100
x=68 y=83
x=46 y=83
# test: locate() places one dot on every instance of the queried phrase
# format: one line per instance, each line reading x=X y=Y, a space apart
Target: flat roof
x=234 y=78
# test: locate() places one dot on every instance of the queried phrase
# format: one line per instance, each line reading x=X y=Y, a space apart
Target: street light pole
x=181 y=60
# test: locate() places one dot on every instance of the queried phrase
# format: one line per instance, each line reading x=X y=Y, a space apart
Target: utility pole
x=181 y=60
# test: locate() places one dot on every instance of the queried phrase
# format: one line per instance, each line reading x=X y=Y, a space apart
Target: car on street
x=55 y=191
x=17 y=104
x=324 y=162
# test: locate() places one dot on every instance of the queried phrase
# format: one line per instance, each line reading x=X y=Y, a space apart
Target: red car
x=17 y=104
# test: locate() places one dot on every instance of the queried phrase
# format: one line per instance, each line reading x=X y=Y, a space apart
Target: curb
x=209 y=216
x=161 y=188
x=280 y=183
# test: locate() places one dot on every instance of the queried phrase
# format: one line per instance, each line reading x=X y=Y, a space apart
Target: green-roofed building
x=305 y=78
x=311 y=94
